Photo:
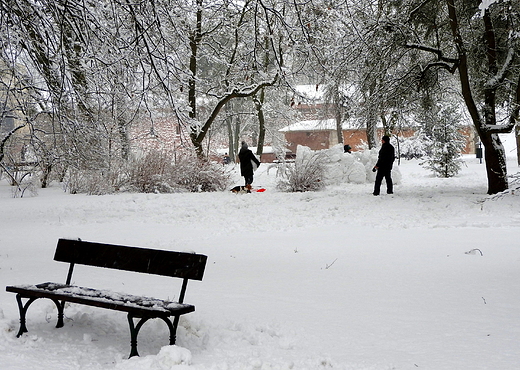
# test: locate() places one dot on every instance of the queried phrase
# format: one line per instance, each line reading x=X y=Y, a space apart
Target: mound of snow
x=341 y=168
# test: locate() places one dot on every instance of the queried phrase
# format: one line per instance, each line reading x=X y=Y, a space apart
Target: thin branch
x=329 y=266
x=417 y=8
x=436 y=51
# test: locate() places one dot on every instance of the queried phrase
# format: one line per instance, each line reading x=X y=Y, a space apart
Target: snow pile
x=343 y=168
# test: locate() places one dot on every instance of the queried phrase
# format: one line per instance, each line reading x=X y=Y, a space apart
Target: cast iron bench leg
x=60 y=306
x=23 y=310
x=172 y=328
x=134 y=331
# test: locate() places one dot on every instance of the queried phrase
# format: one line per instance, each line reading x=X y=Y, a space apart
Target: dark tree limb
x=198 y=137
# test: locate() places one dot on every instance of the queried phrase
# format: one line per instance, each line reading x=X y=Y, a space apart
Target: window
x=6 y=121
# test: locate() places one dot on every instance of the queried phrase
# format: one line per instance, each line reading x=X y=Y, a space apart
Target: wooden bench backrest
x=150 y=261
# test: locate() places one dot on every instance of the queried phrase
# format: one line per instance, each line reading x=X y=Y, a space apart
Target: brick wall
x=318 y=140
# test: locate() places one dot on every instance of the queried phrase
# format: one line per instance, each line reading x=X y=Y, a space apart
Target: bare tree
x=241 y=61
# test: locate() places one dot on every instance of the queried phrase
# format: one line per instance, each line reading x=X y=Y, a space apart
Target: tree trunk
x=259 y=102
x=195 y=39
x=517 y=136
x=371 y=129
x=495 y=157
x=231 y=136
x=123 y=136
x=494 y=151
x=238 y=127
x=44 y=179
x=339 y=126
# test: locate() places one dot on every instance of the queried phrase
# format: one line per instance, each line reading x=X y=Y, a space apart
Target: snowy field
x=428 y=278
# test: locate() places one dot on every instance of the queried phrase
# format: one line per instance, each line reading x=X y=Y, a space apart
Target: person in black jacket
x=384 y=165
x=246 y=159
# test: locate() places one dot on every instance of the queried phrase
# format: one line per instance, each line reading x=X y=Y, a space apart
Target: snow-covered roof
x=311 y=92
x=315 y=93
x=315 y=125
x=266 y=150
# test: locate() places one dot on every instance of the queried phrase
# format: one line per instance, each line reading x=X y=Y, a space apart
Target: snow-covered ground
x=428 y=278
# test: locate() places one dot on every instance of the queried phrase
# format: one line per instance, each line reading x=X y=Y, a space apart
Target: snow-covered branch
x=498 y=78
x=7 y=136
x=498 y=129
x=234 y=93
x=449 y=67
x=492 y=84
x=243 y=92
x=449 y=64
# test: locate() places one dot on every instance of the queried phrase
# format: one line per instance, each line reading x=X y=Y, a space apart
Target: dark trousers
x=249 y=179
x=386 y=174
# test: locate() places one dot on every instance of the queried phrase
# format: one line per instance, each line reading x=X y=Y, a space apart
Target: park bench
x=158 y=262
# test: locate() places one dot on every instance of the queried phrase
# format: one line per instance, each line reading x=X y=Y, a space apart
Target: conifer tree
x=443 y=156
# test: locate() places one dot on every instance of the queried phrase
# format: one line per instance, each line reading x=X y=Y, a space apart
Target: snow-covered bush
x=25 y=185
x=194 y=175
x=305 y=174
x=92 y=182
x=151 y=173
x=415 y=146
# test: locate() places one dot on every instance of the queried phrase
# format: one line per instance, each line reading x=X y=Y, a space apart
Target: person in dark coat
x=226 y=159
x=246 y=159
x=384 y=164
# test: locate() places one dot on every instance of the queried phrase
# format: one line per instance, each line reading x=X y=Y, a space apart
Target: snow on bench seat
x=102 y=298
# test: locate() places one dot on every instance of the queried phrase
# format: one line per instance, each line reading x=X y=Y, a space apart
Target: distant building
x=321 y=134
x=318 y=129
